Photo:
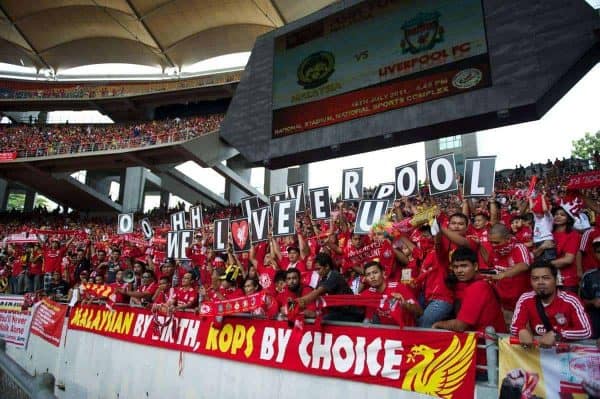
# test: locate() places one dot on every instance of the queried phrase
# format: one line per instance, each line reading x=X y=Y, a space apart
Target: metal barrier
x=135 y=142
x=16 y=383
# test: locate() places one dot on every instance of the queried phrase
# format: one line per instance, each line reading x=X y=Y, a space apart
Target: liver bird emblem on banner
x=439 y=375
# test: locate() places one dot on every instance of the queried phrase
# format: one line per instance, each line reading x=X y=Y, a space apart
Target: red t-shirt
x=196 y=255
x=567 y=243
x=150 y=288
x=511 y=288
x=432 y=280
x=524 y=235
x=565 y=313
x=588 y=259
x=231 y=293
x=285 y=265
x=266 y=275
x=384 y=315
x=184 y=296
x=282 y=298
x=53 y=259
x=36 y=266
x=381 y=250
x=482 y=236
x=480 y=307
x=313 y=246
x=17 y=267
x=120 y=298
x=164 y=297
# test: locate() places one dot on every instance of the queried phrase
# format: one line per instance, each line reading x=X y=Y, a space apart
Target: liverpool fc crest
x=422 y=32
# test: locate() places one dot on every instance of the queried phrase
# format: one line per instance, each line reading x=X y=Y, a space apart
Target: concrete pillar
x=99 y=181
x=232 y=193
x=29 y=201
x=131 y=191
x=275 y=181
x=164 y=199
x=298 y=175
x=42 y=117
x=3 y=194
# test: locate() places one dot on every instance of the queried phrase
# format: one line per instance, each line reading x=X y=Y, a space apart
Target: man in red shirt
x=564 y=313
x=294 y=289
x=293 y=260
x=120 y=284
x=585 y=258
x=410 y=309
x=186 y=296
x=510 y=261
x=229 y=289
x=145 y=292
x=479 y=306
x=53 y=255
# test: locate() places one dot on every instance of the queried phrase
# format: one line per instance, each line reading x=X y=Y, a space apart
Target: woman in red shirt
x=567 y=244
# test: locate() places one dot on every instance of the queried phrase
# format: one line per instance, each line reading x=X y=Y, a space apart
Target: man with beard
x=548 y=312
x=294 y=289
x=410 y=309
x=510 y=261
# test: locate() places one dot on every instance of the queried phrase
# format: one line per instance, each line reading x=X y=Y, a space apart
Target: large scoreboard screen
x=377 y=56
x=358 y=76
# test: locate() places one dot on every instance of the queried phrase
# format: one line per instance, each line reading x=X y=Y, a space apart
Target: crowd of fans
x=475 y=263
x=49 y=139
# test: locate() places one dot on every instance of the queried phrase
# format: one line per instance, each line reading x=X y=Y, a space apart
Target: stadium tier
x=27 y=141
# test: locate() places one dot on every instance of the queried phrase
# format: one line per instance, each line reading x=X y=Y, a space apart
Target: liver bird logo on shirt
x=439 y=375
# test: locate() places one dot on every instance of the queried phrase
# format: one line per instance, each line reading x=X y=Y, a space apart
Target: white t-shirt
x=542 y=230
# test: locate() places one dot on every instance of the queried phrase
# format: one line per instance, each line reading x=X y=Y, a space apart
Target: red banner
x=8 y=156
x=584 y=180
x=48 y=321
x=431 y=362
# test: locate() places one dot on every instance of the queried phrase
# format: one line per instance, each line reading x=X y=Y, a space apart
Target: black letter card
x=221 y=234
x=260 y=224
x=442 y=174
x=284 y=218
x=480 y=175
x=125 y=223
x=296 y=191
x=369 y=213
x=320 y=205
x=407 y=184
x=352 y=184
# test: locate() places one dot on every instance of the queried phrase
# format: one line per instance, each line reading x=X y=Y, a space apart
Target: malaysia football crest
x=316 y=69
x=422 y=32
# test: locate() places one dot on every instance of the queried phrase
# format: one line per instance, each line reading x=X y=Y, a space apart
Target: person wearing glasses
x=145 y=292
x=185 y=296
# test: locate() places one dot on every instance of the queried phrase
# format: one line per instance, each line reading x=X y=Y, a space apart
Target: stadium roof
x=61 y=34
